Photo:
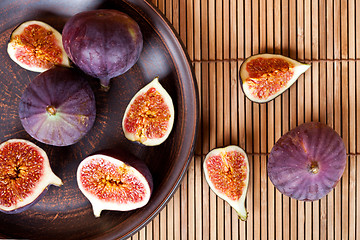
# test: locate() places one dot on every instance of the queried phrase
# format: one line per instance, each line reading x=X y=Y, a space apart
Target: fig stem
x=104 y=88
x=241 y=211
x=105 y=85
x=96 y=210
x=242 y=217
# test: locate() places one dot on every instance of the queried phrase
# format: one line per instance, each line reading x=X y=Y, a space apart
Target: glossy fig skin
x=103 y=43
x=307 y=162
x=58 y=107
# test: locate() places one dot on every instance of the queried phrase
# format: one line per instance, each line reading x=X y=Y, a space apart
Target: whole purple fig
x=307 y=162
x=58 y=107
x=103 y=43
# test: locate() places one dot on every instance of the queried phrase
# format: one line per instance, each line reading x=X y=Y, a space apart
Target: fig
x=227 y=173
x=149 y=117
x=58 y=107
x=114 y=180
x=36 y=46
x=103 y=43
x=263 y=77
x=307 y=162
x=25 y=175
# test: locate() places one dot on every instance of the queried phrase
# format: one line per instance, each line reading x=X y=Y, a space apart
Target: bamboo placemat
x=218 y=35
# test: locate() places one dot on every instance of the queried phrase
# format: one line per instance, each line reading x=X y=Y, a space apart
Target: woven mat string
x=300 y=60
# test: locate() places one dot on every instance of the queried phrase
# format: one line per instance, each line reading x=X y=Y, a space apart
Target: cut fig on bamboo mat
x=227 y=173
x=36 y=46
x=263 y=77
x=149 y=117
x=58 y=107
x=114 y=181
x=307 y=162
x=25 y=175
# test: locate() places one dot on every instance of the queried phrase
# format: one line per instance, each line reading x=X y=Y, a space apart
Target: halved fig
x=149 y=117
x=227 y=173
x=307 y=162
x=263 y=77
x=58 y=107
x=114 y=181
x=25 y=175
x=36 y=46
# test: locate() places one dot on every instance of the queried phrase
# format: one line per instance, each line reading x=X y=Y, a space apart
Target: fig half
x=227 y=173
x=36 y=46
x=114 y=181
x=307 y=162
x=149 y=117
x=58 y=107
x=263 y=77
x=25 y=175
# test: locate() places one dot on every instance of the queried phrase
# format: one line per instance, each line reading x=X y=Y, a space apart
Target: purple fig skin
x=103 y=43
x=69 y=92
x=24 y=208
x=307 y=162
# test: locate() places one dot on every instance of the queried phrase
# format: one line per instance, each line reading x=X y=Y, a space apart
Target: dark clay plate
x=64 y=213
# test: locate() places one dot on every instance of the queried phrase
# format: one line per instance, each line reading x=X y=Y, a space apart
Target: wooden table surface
x=218 y=35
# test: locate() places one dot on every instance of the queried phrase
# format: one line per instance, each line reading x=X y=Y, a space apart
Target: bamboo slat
x=218 y=36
